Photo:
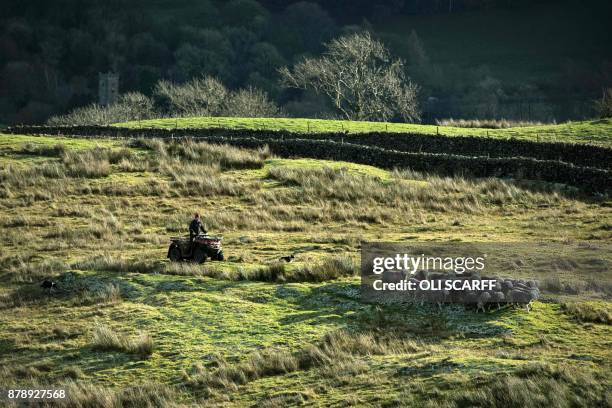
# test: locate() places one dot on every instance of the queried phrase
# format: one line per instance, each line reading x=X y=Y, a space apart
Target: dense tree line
x=352 y=10
x=51 y=53
x=356 y=74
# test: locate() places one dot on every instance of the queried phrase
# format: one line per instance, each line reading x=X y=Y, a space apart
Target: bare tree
x=129 y=106
x=197 y=97
x=209 y=97
x=250 y=103
x=136 y=106
x=360 y=78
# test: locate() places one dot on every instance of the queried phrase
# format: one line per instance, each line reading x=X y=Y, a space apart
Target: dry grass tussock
x=89 y=292
x=106 y=339
x=193 y=169
x=534 y=385
x=450 y=194
x=337 y=351
x=86 y=164
x=23 y=269
x=105 y=226
x=486 y=123
x=194 y=179
x=108 y=293
x=109 y=263
x=105 y=230
x=145 y=395
x=593 y=312
x=33 y=149
x=92 y=163
x=261 y=217
x=74 y=290
x=554 y=284
x=80 y=394
x=328 y=269
x=224 y=156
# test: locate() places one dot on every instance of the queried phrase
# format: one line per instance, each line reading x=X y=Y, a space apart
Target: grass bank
x=598 y=132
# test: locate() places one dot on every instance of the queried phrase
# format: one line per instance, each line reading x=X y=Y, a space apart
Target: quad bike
x=204 y=246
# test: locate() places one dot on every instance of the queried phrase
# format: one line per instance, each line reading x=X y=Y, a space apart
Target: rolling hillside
x=129 y=328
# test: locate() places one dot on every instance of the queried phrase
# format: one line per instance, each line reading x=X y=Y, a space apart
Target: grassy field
x=128 y=328
x=597 y=132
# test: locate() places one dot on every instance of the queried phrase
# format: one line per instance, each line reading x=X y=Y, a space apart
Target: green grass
x=597 y=132
x=127 y=318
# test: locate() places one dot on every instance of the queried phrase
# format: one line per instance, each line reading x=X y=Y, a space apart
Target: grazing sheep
x=421 y=275
x=498 y=297
x=521 y=297
x=470 y=298
x=438 y=297
x=416 y=294
x=507 y=285
x=483 y=299
x=498 y=285
x=470 y=275
x=521 y=286
x=535 y=293
x=392 y=276
x=505 y=291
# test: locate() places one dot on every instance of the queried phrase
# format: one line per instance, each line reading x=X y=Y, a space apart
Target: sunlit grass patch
x=596 y=132
x=106 y=339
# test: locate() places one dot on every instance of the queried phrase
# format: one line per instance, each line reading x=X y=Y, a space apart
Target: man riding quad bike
x=197 y=247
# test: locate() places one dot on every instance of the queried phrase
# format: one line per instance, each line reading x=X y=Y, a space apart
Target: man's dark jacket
x=195 y=227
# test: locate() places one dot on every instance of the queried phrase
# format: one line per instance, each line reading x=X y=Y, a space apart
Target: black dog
x=287 y=258
x=47 y=284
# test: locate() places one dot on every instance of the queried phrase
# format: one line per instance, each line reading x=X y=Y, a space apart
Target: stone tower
x=108 y=88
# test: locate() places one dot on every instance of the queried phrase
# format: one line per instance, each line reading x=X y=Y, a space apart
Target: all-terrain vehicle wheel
x=219 y=256
x=199 y=255
x=175 y=254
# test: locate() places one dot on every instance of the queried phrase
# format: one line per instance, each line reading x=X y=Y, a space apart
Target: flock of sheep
x=505 y=291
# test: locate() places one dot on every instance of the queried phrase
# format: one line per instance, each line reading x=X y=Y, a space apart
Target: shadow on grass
x=429 y=322
x=222 y=317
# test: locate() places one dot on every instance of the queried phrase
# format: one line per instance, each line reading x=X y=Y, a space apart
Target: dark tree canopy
x=52 y=51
